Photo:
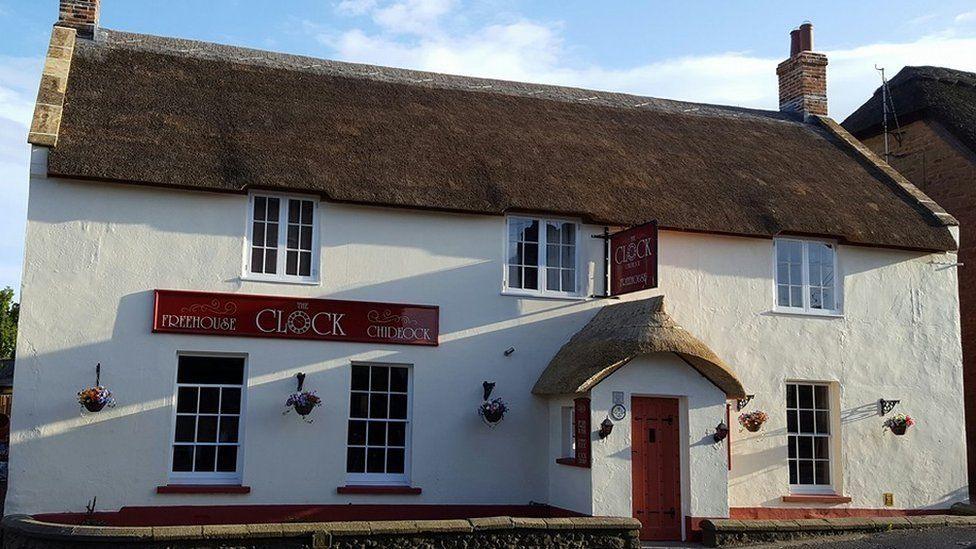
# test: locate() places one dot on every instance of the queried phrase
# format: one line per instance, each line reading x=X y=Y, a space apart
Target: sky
x=712 y=51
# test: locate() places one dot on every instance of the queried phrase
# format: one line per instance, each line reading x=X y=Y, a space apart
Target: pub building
x=216 y=231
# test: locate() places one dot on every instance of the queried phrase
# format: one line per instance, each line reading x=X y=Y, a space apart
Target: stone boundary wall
x=23 y=532
x=731 y=532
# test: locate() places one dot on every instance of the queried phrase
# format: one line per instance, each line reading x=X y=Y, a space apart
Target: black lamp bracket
x=98 y=374
x=301 y=380
x=488 y=387
x=743 y=402
x=887 y=406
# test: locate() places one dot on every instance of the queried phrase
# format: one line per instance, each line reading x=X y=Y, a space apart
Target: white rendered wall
x=570 y=487
x=95 y=252
x=701 y=406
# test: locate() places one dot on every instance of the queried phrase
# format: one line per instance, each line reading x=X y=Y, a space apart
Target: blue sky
x=710 y=51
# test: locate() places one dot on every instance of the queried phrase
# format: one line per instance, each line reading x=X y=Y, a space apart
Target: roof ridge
x=909 y=190
x=245 y=55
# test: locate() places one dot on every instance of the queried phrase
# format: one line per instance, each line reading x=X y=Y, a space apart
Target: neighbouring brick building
x=932 y=142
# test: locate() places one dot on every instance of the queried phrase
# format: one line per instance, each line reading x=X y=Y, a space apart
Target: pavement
x=929 y=538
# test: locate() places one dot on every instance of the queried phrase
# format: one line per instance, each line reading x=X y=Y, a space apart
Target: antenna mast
x=884 y=110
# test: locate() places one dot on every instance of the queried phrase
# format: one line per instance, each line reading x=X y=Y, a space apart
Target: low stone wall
x=23 y=532
x=731 y=532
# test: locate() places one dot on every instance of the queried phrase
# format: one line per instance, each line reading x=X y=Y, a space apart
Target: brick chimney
x=803 y=77
x=81 y=15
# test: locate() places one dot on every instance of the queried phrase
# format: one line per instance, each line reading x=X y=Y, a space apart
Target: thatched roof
x=616 y=335
x=946 y=95
x=194 y=115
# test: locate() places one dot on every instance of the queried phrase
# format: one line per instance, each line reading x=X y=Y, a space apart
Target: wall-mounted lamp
x=886 y=406
x=721 y=431
x=606 y=428
x=743 y=402
x=509 y=351
x=487 y=387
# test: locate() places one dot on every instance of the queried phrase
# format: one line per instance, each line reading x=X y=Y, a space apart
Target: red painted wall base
x=182 y=515
x=790 y=513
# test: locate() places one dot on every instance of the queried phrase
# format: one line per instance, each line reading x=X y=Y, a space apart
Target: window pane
x=357 y=433
x=791 y=423
x=531 y=281
x=230 y=400
x=515 y=277
x=568 y=256
x=376 y=434
x=209 y=400
x=806 y=421
x=398 y=406
x=205 y=459
x=398 y=379
x=791 y=396
x=394 y=461
x=552 y=232
x=823 y=422
x=531 y=231
x=822 y=472
x=783 y=296
x=820 y=397
x=271 y=236
x=376 y=460
x=569 y=233
x=793 y=478
x=828 y=299
x=796 y=296
x=305 y=263
x=291 y=262
x=186 y=428
x=805 y=470
x=359 y=405
x=207 y=429
x=397 y=434
x=227 y=459
x=307 y=212
x=379 y=378
x=257 y=260
x=274 y=205
x=377 y=406
x=806 y=396
x=552 y=256
x=258 y=234
x=356 y=460
x=260 y=205
x=210 y=370
x=293 y=236
x=306 y=238
x=552 y=279
x=228 y=428
x=791 y=450
x=821 y=447
x=186 y=400
x=271 y=261
x=294 y=211
x=816 y=298
x=804 y=447
x=531 y=252
x=182 y=458
x=569 y=280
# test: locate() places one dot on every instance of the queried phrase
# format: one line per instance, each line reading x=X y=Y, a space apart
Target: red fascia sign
x=633 y=259
x=246 y=315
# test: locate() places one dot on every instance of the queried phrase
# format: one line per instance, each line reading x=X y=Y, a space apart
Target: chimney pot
x=81 y=15
x=803 y=77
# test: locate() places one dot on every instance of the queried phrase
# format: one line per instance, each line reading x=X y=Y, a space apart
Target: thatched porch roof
x=617 y=334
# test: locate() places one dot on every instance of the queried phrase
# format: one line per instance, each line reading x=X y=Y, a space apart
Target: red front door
x=656 y=467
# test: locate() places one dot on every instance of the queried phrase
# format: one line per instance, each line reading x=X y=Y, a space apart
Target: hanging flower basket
x=95 y=398
x=899 y=424
x=753 y=421
x=492 y=411
x=303 y=402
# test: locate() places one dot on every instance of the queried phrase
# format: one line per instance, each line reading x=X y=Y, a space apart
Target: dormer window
x=806 y=276
x=282 y=238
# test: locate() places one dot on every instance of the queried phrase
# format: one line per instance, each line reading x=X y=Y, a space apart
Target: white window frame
x=543 y=291
x=280 y=275
x=382 y=479
x=567 y=419
x=806 y=309
x=817 y=489
x=222 y=478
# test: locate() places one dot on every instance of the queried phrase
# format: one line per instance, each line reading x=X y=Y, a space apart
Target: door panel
x=656 y=463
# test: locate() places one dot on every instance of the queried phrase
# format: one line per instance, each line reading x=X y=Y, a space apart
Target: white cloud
x=412 y=34
x=18 y=86
x=967 y=17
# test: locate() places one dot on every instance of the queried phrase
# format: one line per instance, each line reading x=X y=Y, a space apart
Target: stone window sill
x=816 y=498
x=379 y=490
x=203 y=489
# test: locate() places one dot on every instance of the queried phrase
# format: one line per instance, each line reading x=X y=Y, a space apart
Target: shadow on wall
x=324 y=363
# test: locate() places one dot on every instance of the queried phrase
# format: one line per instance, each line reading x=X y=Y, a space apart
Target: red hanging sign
x=245 y=315
x=633 y=259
